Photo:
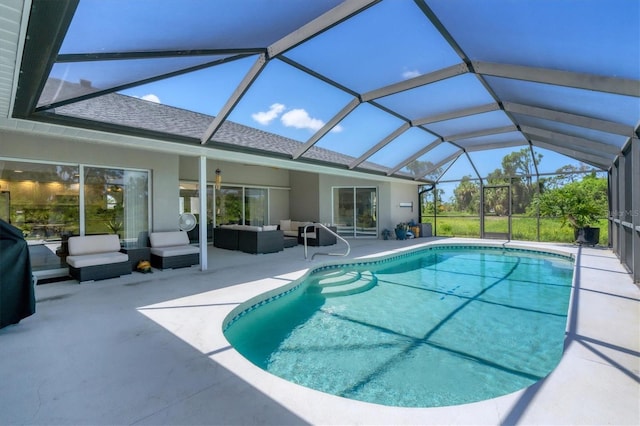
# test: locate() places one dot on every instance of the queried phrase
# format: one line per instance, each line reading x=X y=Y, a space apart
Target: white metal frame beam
x=495 y=145
x=415 y=156
x=479 y=133
x=441 y=163
x=618 y=86
x=594 y=160
x=322 y=23
x=457 y=114
x=400 y=130
x=412 y=83
x=237 y=94
x=353 y=104
x=571 y=119
x=571 y=142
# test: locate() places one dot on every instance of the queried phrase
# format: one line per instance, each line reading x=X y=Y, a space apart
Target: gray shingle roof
x=134 y=113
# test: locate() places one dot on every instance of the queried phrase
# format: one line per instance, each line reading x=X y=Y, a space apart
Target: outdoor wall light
x=218 y=179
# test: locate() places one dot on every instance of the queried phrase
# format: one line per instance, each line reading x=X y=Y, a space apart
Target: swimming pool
x=442 y=326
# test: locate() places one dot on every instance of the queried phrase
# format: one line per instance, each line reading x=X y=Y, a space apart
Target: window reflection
x=40 y=199
x=116 y=202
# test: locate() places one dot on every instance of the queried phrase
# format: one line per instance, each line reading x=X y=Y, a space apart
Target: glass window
x=256 y=207
x=229 y=206
x=116 y=202
x=40 y=199
x=190 y=203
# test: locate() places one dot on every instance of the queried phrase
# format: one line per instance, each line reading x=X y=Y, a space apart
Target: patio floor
x=149 y=349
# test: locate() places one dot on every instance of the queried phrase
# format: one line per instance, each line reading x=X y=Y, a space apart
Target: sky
x=386 y=44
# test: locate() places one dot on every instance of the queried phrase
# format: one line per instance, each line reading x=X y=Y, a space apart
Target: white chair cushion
x=92 y=244
x=82 y=261
x=174 y=250
x=167 y=239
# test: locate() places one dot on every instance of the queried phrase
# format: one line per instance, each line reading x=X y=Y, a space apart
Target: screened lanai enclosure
x=495 y=109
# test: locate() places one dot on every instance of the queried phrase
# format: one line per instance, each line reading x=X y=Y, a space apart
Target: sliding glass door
x=242 y=205
x=355 y=211
x=116 y=201
x=256 y=207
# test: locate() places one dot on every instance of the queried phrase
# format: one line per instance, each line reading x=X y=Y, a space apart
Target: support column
x=615 y=209
x=623 y=208
x=635 y=206
x=202 y=180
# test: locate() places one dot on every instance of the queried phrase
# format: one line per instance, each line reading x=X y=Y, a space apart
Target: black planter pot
x=587 y=235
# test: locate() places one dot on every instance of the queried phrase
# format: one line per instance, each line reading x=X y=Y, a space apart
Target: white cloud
x=410 y=74
x=297 y=118
x=300 y=119
x=151 y=98
x=266 y=117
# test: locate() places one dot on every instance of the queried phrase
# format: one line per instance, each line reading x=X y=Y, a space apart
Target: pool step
x=336 y=278
x=365 y=281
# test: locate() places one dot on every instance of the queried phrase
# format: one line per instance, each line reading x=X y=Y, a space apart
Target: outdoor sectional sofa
x=96 y=257
x=316 y=235
x=249 y=239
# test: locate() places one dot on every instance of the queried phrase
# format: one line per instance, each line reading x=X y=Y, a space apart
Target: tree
x=579 y=203
x=424 y=168
x=518 y=169
x=429 y=201
x=566 y=174
x=467 y=196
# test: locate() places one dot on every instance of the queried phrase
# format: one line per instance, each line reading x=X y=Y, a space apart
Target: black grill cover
x=17 y=295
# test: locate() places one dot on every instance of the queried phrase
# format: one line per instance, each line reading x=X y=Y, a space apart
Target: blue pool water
x=446 y=326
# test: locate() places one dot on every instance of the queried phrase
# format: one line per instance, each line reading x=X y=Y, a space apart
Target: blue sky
x=387 y=43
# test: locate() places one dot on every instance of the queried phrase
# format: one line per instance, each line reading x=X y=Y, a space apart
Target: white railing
x=304 y=234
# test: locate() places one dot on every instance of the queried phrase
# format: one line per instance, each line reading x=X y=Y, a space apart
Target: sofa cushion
x=285 y=225
x=82 y=261
x=167 y=239
x=174 y=250
x=297 y=224
x=270 y=228
x=243 y=227
x=92 y=244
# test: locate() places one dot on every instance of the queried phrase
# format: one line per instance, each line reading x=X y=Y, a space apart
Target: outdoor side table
x=136 y=254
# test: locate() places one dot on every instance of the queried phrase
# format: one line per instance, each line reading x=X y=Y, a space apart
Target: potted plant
x=401 y=231
x=386 y=234
x=580 y=204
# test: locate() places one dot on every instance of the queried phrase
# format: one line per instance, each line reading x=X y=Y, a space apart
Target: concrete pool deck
x=149 y=349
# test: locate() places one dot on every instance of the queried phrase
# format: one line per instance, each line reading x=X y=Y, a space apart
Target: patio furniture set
x=270 y=238
x=98 y=257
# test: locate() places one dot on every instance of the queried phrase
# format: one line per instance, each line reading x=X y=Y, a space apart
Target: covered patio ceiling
x=399 y=88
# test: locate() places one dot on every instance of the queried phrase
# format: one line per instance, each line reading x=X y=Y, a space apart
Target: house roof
x=401 y=88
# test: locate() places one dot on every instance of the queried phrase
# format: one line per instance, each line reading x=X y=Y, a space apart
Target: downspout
x=427 y=189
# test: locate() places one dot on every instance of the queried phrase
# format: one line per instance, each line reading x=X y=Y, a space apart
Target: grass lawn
x=522 y=228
